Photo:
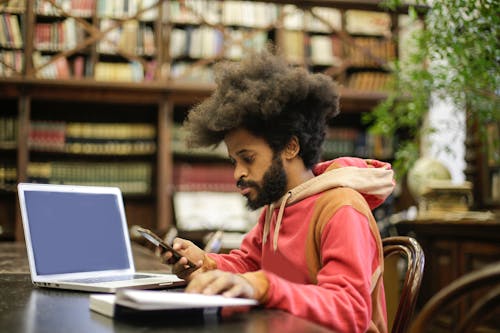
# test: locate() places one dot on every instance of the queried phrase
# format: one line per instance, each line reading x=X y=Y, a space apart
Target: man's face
x=259 y=174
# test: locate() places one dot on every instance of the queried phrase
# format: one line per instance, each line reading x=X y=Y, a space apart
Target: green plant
x=456 y=56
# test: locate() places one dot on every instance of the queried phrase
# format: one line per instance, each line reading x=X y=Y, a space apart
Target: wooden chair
x=480 y=290
x=410 y=249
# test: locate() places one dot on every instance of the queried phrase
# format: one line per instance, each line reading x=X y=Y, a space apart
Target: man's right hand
x=189 y=252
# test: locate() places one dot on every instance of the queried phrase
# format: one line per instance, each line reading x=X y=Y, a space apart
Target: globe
x=423 y=171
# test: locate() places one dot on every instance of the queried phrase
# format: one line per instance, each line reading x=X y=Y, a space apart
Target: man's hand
x=189 y=252
x=219 y=282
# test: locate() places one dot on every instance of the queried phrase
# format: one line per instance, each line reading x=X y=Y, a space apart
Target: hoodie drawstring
x=267 y=224
x=269 y=214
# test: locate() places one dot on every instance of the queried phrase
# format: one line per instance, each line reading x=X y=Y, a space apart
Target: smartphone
x=156 y=240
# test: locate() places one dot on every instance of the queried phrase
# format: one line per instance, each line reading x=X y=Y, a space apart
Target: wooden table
x=24 y=308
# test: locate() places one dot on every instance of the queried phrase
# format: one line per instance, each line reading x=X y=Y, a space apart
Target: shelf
x=144 y=93
x=163 y=102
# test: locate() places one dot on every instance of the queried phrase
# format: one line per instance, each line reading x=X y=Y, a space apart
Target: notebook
x=77 y=238
x=132 y=302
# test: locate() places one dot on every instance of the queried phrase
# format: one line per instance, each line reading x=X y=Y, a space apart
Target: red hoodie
x=325 y=260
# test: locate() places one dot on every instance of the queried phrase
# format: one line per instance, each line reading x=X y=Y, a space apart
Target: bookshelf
x=483 y=165
x=99 y=91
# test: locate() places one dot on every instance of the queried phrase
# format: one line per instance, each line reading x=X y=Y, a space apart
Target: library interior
x=95 y=93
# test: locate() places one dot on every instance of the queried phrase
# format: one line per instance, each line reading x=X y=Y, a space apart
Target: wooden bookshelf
x=95 y=63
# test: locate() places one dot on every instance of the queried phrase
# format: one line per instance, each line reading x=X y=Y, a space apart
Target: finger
x=180 y=264
x=168 y=258
x=240 y=289
x=237 y=290
x=201 y=281
x=185 y=271
x=220 y=284
x=180 y=244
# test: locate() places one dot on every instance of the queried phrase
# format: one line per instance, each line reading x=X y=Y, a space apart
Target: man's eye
x=248 y=159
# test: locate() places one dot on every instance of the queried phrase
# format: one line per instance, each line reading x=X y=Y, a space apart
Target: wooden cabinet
x=111 y=66
x=451 y=250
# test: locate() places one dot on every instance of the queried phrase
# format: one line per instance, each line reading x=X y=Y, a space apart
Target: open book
x=129 y=301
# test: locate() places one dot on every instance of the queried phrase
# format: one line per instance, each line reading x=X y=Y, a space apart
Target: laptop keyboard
x=112 y=278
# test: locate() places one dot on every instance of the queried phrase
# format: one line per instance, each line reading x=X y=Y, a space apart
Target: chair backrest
x=410 y=249
x=481 y=305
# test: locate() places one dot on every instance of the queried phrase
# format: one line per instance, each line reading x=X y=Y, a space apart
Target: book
x=130 y=302
x=440 y=197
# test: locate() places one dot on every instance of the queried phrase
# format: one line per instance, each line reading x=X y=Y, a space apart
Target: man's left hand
x=218 y=282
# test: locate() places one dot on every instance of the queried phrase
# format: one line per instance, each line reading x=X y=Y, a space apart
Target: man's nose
x=239 y=172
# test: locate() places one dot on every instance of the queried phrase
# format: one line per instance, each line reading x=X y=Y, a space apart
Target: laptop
x=77 y=238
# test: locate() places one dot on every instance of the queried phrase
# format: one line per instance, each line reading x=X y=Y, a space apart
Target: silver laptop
x=77 y=238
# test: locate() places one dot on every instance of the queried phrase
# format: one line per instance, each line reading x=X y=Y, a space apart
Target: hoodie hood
x=371 y=178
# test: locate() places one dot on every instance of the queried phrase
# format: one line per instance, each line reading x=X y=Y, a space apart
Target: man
x=316 y=251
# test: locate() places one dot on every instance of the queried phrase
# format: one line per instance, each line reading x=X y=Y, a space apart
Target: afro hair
x=271 y=99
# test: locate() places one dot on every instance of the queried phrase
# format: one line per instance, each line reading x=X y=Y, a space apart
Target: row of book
x=58 y=36
x=206 y=42
x=76 y=8
x=120 y=72
x=371 y=23
x=316 y=50
x=13 y=6
x=10 y=31
x=132 y=37
x=8 y=176
x=131 y=177
x=241 y=41
x=123 y=9
x=78 y=67
x=329 y=50
x=201 y=42
x=88 y=138
x=264 y=15
x=325 y=50
x=258 y=14
x=369 y=81
x=318 y=19
x=248 y=14
x=86 y=8
x=370 y=52
x=57 y=68
x=8 y=132
x=11 y=63
x=346 y=141
x=204 y=177
x=495 y=186
x=185 y=71
x=193 y=12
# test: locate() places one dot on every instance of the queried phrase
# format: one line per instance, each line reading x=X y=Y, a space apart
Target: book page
x=158 y=300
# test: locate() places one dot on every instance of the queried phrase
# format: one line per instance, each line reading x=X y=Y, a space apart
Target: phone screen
x=156 y=240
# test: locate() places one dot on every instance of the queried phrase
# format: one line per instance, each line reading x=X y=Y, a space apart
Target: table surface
x=25 y=308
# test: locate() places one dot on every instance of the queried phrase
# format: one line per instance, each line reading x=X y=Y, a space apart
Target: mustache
x=241 y=183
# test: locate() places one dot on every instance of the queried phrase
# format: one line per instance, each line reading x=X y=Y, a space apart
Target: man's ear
x=292 y=148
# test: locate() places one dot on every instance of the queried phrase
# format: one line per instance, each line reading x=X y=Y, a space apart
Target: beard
x=272 y=187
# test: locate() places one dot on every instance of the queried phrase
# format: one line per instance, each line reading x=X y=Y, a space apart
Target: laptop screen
x=76 y=232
